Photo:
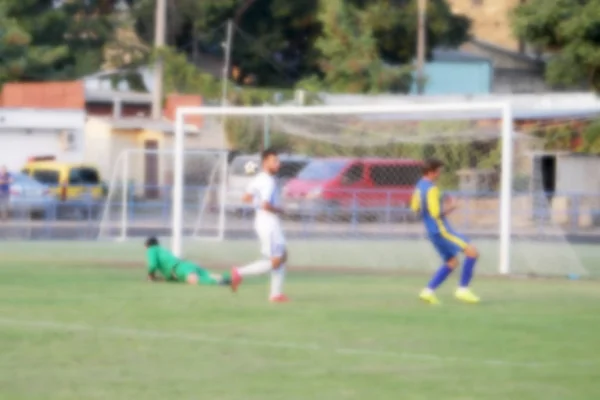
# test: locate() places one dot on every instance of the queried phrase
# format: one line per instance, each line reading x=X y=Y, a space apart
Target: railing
x=340 y=212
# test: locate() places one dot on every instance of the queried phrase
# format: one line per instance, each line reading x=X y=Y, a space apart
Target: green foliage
x=13 y=48
x=279 y=43
x=556 y=138
x=570 y=29
x=348 y=55
x=274 y=41
x=459 y=152
x=591 y=138
x=246 y=134
x=41 y=42
x=394 y=23
x=180 y=76
x=184 y=18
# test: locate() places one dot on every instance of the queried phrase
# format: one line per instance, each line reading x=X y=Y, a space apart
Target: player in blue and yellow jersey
x=428 y=201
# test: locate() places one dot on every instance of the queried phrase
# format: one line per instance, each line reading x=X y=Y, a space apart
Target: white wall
x=31 y=118
x=97 y=146
x=578 y=174
x=26 y=133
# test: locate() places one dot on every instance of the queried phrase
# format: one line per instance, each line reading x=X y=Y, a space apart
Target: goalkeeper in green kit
x=162 y=261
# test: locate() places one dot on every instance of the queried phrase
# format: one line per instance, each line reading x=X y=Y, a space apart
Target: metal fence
x=338 y=213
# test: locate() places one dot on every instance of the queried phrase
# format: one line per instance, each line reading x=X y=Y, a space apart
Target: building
x=453 y=72
x=516 y=68
x=139 y=146
x=75 y=123
x=108 y=94
x=513 y=71
x=41 y=119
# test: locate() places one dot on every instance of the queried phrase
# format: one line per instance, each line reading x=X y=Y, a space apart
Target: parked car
x=367 y=187
x=30 y=197
x=244 y=167
x=77 y=187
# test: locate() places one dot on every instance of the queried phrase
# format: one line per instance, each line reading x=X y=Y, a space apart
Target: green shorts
x=183 y=269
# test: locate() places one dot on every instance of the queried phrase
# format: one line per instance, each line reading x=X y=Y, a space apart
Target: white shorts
x=272 y=241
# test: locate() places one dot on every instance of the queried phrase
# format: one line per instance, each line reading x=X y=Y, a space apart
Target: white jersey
x=264 y=188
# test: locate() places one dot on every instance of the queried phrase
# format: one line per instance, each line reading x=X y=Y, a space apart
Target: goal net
x=346 y=180
x=139 y=201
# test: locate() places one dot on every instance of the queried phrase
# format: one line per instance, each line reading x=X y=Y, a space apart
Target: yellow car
x=77 y=185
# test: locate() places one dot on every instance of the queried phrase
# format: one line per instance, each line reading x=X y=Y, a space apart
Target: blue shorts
x=449 y=244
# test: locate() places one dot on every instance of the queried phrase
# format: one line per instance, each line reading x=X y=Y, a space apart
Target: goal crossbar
x=407 y=111
x=471 y=110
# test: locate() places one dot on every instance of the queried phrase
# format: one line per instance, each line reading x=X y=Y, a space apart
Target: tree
x=14 y=44
x=180 y=76
x=591 y=138
x=186 y=19
x=275 y=40
x=349 y=59
x=271 y=37
x=394 y=24
x=570 y=31
x=40 y=41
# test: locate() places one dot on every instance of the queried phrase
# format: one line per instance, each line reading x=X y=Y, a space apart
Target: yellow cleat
x=429 y=297
x=466 y=296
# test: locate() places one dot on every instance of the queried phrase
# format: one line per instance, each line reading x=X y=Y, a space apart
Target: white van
x=244 y=167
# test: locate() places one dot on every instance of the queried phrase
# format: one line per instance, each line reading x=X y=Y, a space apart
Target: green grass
x=92 y=331
x=541 y=258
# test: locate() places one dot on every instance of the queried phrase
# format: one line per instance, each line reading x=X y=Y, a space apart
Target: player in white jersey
x=264 y=193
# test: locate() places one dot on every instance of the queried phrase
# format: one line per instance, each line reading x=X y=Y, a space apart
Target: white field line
x=307 y=347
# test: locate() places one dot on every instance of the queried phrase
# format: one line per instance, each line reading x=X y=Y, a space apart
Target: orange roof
x=64 y=95
x=183 y=100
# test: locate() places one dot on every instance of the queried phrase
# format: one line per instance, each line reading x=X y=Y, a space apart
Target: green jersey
x=161 y=260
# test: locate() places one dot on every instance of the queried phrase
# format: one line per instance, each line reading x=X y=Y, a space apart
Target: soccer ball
x=250 y=168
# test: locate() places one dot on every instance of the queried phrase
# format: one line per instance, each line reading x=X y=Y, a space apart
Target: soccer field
x=71 y=329
x=558 y=259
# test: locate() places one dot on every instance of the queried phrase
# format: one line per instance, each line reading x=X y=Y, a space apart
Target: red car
x=363 y=186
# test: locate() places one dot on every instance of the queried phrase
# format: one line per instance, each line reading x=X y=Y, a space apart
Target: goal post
x=409 y=112
x=139 y=198
x=506 y=188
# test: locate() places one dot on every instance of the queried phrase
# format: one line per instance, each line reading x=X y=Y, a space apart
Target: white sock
x=256 y=268
x=277 y=278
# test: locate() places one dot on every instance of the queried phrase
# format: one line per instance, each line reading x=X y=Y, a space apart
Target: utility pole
x=160 y=27
x=421 y=45
x=227 y=62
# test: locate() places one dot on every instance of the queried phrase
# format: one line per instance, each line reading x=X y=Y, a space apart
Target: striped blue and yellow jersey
x=427 y=200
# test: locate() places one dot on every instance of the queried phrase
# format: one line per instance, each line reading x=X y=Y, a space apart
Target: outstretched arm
x=247 y=198
x=449 y=206
x=152 y=264
x=271 y=208
x=152 y=277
